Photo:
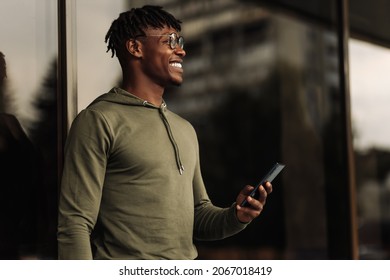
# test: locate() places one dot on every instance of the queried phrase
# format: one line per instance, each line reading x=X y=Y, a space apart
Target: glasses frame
x=173 y=42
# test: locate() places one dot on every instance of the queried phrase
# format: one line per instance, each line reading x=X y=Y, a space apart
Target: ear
x=134 y=47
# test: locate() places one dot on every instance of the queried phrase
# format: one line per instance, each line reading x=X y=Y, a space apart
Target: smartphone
x=272 y=173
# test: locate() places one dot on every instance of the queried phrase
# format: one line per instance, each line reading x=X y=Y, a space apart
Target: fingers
x=247 y=190
x=255 y=205
x=248 y=213
x=264 y=191
x=268 y=187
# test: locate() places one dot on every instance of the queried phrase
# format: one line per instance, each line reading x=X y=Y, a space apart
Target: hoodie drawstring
x=170 y=134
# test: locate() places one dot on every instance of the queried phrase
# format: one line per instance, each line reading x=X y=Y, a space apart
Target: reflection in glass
x=263 y=87
x=28 y=129
x=97 y=72
x=370 y=88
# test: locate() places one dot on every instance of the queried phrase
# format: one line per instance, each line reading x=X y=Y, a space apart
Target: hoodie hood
x=120 y=96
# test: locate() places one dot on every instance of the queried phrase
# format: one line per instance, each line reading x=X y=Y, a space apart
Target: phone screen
x=272 y=173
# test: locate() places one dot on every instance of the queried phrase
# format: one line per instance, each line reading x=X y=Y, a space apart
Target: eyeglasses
x=173 y=40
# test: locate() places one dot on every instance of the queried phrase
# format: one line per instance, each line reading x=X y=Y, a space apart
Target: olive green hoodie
x=132 y=186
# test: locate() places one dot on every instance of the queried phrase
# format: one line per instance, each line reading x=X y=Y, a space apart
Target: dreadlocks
x=132 y=23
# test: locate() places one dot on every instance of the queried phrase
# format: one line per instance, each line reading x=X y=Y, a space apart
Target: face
x=161 y=63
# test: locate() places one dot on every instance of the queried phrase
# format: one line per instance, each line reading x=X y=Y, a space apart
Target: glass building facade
x=290 y=81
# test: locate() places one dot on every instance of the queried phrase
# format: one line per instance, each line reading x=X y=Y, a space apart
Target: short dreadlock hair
x=132 y=24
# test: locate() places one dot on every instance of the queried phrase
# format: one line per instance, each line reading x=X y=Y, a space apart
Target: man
x=132 y=186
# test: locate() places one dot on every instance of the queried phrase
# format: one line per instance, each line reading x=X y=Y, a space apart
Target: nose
x=180 y=52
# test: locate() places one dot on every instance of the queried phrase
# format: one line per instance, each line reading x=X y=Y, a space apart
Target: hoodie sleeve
x=212 y=222
x=86 y=151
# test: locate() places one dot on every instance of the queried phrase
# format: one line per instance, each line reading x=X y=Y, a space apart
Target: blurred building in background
x=264 y=81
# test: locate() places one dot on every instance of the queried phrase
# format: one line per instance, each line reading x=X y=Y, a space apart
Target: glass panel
x=259 y=99
x=97 y=72
x=28 y=129
x=259 y=87
x=370 y=86
x=262 y=87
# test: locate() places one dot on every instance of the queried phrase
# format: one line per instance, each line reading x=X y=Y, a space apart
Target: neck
x=144 y=89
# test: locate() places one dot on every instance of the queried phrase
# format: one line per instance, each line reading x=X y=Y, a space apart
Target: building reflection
x=261 y=87
x=372 y=146
x=373 y=183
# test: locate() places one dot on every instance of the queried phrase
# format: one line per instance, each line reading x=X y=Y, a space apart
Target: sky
x=370 y=94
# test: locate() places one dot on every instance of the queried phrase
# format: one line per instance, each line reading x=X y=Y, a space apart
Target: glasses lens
x=174 y=41
x=181 y=42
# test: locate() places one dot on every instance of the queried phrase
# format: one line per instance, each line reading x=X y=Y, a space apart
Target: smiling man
x=132 y=186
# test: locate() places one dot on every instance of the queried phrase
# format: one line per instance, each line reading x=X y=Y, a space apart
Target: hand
x=248 y=213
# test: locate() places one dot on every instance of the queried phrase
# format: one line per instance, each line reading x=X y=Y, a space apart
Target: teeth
x=176 y=64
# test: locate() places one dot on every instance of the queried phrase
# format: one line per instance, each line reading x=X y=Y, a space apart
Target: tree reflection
x=19 y=183
x=28 y=192
x=43 y=133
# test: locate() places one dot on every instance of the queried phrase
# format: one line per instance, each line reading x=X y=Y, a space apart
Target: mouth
x=176 y=65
